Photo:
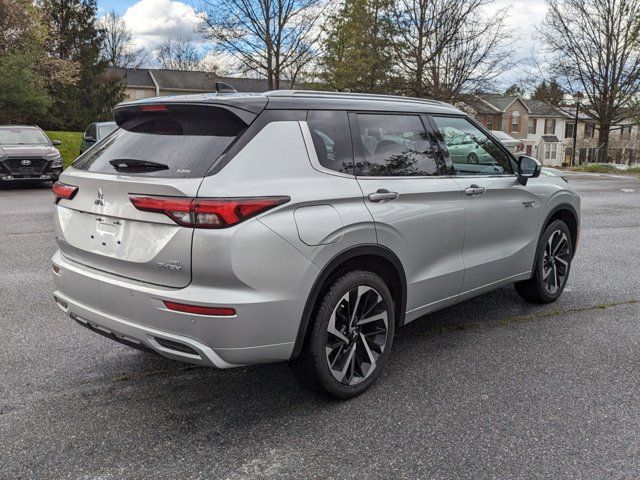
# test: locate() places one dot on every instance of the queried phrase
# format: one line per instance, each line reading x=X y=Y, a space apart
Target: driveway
x=491 y=388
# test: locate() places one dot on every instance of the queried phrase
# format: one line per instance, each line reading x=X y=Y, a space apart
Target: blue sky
x=119 y=6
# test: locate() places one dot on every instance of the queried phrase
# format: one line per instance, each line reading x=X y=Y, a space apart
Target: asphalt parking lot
x=491 y=388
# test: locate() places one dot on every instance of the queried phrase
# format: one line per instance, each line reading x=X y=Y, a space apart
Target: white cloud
x=153 y=21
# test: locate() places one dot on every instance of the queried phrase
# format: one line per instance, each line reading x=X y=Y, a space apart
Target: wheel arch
x=568 y=214
x=376 y=258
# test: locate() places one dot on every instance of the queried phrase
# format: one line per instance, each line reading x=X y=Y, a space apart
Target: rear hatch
x=160 y=150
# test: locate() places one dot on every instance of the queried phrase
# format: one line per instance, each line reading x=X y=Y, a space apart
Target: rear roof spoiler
x=244 y=106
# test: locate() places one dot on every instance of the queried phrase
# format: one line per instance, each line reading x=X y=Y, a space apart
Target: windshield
x=106 y=129
x=22 y=136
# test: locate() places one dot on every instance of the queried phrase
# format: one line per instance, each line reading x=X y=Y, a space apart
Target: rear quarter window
x=188 y=140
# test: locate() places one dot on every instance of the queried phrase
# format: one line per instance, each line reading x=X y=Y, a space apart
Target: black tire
x=370 y=345
x=550 y=273
x=473 y=158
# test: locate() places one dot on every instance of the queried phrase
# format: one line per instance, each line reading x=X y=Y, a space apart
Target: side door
x=417 y=211
x=502 y=216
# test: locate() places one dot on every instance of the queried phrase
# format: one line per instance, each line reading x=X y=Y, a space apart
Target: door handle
x=474 y=190
x=383 y=195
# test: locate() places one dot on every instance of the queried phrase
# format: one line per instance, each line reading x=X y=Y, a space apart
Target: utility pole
x=576 y=97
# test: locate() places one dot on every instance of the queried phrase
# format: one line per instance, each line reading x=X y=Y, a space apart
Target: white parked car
x=513 y=144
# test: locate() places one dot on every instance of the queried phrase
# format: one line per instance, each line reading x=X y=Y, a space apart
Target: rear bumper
x=177 y=347
x=262 y=331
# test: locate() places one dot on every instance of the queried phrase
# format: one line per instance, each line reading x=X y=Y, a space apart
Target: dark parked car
x=94 y=133
x=26 y=153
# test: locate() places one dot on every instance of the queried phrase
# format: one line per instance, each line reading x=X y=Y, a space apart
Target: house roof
x=488 y=103
x=542 y=109
x=501 y=102
x=194 y=81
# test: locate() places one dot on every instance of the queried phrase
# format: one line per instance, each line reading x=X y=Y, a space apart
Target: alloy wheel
x=356 y=335
x=555 y=263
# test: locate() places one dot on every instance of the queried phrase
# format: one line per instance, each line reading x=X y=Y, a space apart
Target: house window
x=549 y=126
x=532 y=125
x=515 y=122
x=625 y=133
x=550 y=151
x=489 y=123
x=568 y=130
x=589 y=130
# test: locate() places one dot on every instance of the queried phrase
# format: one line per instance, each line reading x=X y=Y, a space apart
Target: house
x=541 y=127
x=156 y=82
x=624 y=140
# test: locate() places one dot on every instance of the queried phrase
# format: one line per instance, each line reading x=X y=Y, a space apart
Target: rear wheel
x=552 y=267
x=472 y=158
x=350 y=336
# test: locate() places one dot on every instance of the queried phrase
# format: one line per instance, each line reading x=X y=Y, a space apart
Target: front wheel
x=552 y=267
x=350 y=338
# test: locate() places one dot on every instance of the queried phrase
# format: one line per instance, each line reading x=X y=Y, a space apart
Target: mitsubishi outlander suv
x=225 y=230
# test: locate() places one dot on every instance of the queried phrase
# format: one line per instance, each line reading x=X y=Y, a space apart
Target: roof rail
x=355 y=96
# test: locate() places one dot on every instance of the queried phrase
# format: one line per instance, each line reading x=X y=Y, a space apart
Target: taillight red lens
x=207 y=212
x=199 y=310
x=63 y=191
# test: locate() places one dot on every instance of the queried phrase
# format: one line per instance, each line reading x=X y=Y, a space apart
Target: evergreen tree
x=515 y=90
x=357 y=46
x=22 y=86
x=550 y=93
x=74 y=36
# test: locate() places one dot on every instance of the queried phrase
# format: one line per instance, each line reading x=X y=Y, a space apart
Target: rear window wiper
x=131 y=164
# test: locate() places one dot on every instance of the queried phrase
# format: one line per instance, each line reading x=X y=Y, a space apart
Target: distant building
x=541 y=127
x=156 y=82
x=547 y=131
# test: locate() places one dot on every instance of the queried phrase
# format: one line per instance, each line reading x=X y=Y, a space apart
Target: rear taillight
x=200 y=310
x=62 y=191
x=207 y=212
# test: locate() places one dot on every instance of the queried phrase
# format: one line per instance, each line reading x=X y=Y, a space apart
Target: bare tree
x=269 y=37
x=179 y=53
x=447 y=47
x=118 y=47
x=595 y=48
x=478 y=54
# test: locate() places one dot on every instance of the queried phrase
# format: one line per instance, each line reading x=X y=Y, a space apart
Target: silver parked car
x=225 y=230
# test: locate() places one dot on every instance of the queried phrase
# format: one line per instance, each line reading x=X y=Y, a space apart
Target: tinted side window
x=393 y=145
x=470 y=150
x=331 y=139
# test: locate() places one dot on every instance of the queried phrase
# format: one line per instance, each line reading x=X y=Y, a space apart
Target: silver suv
x=225 y=230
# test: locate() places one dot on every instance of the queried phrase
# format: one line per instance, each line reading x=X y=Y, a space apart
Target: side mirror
x=56 y=142
x=528 y=167
x=89 y=138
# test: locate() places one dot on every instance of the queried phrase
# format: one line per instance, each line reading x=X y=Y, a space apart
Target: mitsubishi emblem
x=100 y=199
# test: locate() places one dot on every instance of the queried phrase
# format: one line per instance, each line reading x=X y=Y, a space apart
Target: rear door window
x=393 y=146
x=185 y=140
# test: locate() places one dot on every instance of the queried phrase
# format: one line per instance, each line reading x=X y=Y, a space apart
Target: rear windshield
x=184 y=141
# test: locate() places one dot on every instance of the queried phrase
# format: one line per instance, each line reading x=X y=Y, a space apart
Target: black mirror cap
x=528 y=167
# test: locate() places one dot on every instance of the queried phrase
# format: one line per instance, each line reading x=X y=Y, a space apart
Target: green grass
x=70 y=147
x=604 y=168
